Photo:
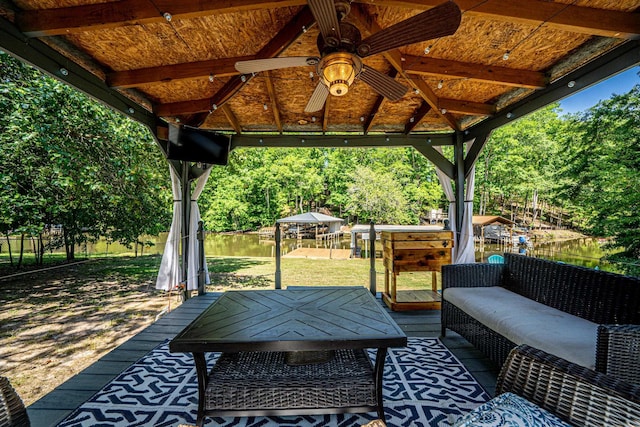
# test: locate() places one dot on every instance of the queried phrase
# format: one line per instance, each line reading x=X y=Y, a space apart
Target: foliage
x=519 y=163
x=376 y=197
x=261 y=185
x=603 y=161
x=71 y=162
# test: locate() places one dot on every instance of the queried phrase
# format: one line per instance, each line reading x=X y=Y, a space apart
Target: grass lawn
x=236 y=273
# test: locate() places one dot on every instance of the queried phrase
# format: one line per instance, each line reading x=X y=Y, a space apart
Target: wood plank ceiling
x=177 y=58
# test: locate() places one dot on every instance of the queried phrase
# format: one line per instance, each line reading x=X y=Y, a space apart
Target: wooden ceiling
x=174 y=60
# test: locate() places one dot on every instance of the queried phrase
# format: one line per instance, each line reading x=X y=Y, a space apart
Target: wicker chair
x=619 y=352
x=577 y=395
x=12 y=410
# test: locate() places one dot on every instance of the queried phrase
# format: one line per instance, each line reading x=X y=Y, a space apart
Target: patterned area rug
x=424 y=385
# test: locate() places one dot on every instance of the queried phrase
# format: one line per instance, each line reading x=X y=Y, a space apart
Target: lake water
x=586 y=251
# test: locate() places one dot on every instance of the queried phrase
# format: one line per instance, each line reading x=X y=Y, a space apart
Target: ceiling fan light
x=338 y=72
x=339 y=76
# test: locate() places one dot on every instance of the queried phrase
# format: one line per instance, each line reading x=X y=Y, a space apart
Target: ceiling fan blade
x=257 y=65
x=383 y=84
x=327 y=18
x=442 y=20
x=317 y=100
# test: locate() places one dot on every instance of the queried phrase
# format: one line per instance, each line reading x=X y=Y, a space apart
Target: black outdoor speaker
x=197 y=145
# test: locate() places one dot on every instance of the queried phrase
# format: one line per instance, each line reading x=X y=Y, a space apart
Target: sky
x=587 y=98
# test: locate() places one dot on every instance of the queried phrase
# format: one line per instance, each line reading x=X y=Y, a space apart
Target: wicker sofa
x=572 y=393
x=566 y=306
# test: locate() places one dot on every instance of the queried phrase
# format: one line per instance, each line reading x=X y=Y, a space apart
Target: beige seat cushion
x=524 y=321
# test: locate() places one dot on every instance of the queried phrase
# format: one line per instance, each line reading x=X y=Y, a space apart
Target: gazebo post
x=202 y=281
x=372 y=258
x=278 y=276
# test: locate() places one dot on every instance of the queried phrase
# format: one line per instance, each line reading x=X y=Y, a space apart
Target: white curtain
x=466 y=250
x=169 y=274
x=447 y=187
x=194 y=254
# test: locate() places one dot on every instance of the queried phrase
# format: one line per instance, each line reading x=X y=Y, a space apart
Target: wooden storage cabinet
x=414 y=251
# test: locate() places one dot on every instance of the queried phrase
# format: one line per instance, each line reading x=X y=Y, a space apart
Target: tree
x=602 y=177
x=519 y=165
x=67 y=160
x=376 y=197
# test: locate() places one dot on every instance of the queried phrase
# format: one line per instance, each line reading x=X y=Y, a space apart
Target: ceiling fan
x=342 y=49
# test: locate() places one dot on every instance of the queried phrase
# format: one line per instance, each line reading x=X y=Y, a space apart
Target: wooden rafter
x=274 y=100
x=466 y=107
x=484 y=73
x=233 y=120
x=422 y=111
x=414 y=65
x=279 y=43
x=376 y=105
x=65 y=20
x=423 y=89
x=233 y=85
x=190 y=70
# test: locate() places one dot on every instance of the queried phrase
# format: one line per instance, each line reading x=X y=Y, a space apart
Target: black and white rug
x=424 y=385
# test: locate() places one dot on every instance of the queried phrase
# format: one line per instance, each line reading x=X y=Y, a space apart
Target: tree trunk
x=9 y=248
x=21 y=251
x=69 y=245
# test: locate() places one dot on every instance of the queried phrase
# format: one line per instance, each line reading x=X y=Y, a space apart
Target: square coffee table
x=262 y=333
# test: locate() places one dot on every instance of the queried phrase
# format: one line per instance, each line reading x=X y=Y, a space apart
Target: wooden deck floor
x=52 y=408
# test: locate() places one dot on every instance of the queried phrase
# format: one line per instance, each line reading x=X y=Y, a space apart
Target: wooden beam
x=418 y=65
x=274 y=100
x=478 y=72
x=232 y=118
x=279 y=43
x=560 y=16
x=422 y=111
x=430 y=98
x=182 y=108
x=166 y=73
x=67 y=20
x=376 y=105
x=466 y=107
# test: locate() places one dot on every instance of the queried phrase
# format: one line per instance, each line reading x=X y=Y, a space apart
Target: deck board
x=55 y=406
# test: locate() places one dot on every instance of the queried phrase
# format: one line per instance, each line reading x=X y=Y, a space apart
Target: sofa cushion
x=524 y=321
x=509 y=410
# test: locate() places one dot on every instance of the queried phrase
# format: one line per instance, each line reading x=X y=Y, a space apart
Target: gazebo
x=314 y=218
x=209 y=77
x=498 y=225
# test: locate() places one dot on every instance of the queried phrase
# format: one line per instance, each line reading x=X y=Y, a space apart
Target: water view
x=585 y=251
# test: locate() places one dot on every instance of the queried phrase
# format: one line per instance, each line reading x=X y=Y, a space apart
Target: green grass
x=305 y=272
x=236 y=272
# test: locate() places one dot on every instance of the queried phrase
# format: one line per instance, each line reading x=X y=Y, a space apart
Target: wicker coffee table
x=290 y=352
